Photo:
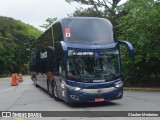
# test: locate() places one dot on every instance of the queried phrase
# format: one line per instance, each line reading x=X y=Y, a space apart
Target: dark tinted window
x=57 y=32
x=45 y=40
x=45 y=60
x=33 y=60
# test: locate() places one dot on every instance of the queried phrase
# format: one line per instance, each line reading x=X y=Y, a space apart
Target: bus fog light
x=119 y=94
x=118 y=84
x=74 y=97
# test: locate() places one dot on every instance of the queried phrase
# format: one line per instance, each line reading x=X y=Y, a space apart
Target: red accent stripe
x=67 y=30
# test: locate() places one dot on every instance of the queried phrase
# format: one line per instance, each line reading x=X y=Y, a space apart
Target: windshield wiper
x=82 y=78
x=114 y=75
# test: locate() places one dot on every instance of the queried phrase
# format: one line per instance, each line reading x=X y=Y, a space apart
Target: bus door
x=60 y=76
x=60 y=79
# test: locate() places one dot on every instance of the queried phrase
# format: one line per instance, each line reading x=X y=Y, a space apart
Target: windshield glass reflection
x=90 y=66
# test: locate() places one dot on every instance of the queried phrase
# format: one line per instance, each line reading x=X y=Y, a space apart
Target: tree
x=88 y=12
x=15 y=40
x=101 y=8
x=141 y=27
x=49 y=22
x=7 y=49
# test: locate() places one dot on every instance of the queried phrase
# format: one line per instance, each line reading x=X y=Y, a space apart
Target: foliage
x=87 y=12
x=141 y=26
x=99 y=8
x=15 y=40
x=7 y=48
x=49 y=22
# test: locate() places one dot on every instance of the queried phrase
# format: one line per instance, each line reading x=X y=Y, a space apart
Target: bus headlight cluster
x=119 y=94
x=118 y=84
x=74 y=88
x=63 y=85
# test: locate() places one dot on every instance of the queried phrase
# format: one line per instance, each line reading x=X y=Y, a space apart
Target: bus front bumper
x=94 y=95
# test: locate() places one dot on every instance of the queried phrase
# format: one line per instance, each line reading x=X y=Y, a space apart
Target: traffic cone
x=20 y=78
x=14 y=80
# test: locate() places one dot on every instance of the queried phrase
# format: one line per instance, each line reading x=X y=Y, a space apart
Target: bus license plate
x=99 y=99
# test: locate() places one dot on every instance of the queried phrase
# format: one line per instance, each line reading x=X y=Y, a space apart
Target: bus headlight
x=71 y=87
x=63 y=85
x=74 y=88
x=118 y=84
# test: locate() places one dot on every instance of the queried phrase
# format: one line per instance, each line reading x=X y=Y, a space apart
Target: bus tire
x=52 y=90
x=35 y=82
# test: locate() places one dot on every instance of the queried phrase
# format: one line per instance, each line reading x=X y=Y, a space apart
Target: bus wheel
x=55 y=93
x=35 y=82
x=52 y=90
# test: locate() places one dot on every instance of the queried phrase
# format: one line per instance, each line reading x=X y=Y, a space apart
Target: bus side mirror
x=129 y=46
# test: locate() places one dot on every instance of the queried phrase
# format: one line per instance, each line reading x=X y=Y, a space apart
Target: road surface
x=26 y=97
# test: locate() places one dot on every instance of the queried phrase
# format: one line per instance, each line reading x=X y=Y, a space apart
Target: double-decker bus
x=77 y=60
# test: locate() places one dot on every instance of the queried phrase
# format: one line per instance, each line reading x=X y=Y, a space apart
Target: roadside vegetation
x=15 y=40
x=136 y=21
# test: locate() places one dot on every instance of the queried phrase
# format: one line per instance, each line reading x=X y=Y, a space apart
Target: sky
x=35 y=12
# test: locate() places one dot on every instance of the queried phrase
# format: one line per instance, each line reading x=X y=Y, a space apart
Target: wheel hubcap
x=35 y=82
x=50 y=89
x=55 y=91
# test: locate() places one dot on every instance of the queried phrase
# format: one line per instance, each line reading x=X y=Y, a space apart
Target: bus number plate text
x=99 y=99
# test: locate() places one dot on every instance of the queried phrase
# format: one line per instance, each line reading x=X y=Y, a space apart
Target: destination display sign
x=82 y=53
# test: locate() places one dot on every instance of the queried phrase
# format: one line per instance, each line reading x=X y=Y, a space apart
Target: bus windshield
x=93 y=66
x=88 y=31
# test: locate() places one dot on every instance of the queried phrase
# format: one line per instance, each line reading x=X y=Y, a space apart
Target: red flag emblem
x=67 y=32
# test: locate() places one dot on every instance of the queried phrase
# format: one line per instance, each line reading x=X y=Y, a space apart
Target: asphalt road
x=26 y=97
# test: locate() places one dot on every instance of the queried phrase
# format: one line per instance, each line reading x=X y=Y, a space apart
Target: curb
x=141 y=89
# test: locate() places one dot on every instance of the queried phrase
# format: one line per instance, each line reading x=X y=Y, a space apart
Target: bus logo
x=98 y=81
x=43 y=55
x=95 y=47
x=99 y=91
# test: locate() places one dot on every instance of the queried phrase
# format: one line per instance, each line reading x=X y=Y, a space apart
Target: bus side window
x=62 y=69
